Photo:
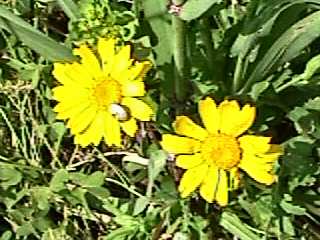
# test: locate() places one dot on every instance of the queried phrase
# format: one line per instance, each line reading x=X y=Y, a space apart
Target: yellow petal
x=93 y=134
x=246 y=119
x=229 y=112
x=209 y=186
x=185 y=126
x=138 y=108
x=234 y=121
x=74 y=75
x=129 y=127
x=210 y=115
x=254 y=144
x=69 y=94
x=121 y=62
x=175 y=144
x=89 y=60
x=69 y=110
x=222 y=190
x=259 y=167
x=191 y=179
x=136 y=72
x=189 y=161
x=133 y=89
x=106 y=49
x=81 y=121
x=139 y=69
x=112 y=132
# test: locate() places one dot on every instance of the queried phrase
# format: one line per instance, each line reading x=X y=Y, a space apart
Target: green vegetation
x=265 y=52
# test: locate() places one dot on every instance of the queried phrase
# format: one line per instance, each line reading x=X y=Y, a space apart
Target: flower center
x=107 y=92
x=222 y=150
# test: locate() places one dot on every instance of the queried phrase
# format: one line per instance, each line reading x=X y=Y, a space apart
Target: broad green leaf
x=157 y=16
x=96 y=179
x=25 y=229
x=99 y=192
x=288 y=46
x=193 y=9
x=234 y=225
x=7 y=235
x=58 y=180
x=41 y=195
x=70 y=8
x=34 y=39
x=9 y=176
x=158 y=160
x=140 y=204
x=258 y=88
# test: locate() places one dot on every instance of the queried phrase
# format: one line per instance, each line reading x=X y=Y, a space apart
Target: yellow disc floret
x=106 y=92
x=221 y=150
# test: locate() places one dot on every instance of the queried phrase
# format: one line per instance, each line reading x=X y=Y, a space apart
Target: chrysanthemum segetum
x=99 y=94
x=213 y=156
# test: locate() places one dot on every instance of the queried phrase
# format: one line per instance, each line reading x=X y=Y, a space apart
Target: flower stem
x=180 y=57
x=208 y=43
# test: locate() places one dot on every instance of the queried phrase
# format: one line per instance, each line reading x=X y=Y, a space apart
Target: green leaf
x=126 y=220
x=96 y=179
x=99 y=192
x=288 y=46
x=34 y=39
x=193 y=9
x=312 y=67
x=235 y=226
x=157 y=16
x=288 y=227
x=9 y=176
x=260 y=12
x=180 y=236
x=41 y=196
x=120 y=233
x=25 y=230
x=258 y=89
x=290 y=208
x=158 y=160
x=140 y=204
x=57 y=183
x=70 y=8
x=313 y=104
x=7 y=235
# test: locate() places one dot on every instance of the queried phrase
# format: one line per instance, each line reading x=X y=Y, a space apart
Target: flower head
x=213 y=156
x=99 y=94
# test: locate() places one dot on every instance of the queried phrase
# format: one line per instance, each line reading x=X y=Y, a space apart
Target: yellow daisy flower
x=213 y=156
x=99 y=94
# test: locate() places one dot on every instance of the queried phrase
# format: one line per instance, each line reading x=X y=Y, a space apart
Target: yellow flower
x=213 y=156
x=99 y=94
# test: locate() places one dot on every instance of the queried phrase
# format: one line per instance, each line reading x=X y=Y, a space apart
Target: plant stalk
x=182 y=75
x=208 y=44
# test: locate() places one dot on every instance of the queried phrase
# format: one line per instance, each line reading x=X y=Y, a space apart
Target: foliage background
x=265 y=52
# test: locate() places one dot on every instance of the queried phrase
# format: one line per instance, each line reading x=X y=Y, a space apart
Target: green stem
x=208 y=43
x=180 y=58
x=237 y=75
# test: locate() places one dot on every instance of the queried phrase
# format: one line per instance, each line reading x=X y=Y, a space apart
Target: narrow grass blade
x=33 y=38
